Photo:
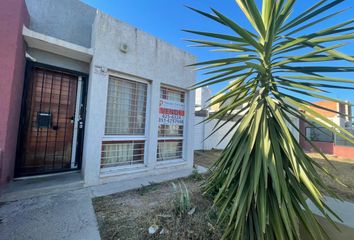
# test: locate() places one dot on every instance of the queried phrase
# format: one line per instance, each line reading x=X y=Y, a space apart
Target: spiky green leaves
x=263 y=179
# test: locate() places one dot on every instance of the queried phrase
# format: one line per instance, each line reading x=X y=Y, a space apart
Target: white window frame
x=119 y=138
x=183 y=137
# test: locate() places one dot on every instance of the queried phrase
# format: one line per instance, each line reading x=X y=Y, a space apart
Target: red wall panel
x=13 y=15
x=345 y=152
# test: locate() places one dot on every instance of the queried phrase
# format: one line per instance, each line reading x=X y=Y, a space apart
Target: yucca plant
x=263 y=178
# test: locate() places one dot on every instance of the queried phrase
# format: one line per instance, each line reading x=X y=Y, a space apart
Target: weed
x=196 y=176
x=182 y=201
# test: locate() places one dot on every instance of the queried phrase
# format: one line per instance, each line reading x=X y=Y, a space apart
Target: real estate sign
x=171 y=112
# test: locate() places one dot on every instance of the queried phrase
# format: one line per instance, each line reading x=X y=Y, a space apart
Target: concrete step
x=40 y=186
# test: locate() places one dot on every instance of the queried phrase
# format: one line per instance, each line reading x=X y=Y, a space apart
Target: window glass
x=169 y=149
x=126 y=107
x=171 y=112
x=125 y=118
x=122 y=153
x=171 y=124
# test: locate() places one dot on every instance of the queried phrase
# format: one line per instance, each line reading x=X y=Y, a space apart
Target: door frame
x=21 y=129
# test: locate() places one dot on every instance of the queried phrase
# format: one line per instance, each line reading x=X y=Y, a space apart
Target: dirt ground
x=344 y=170
x=129 y=215
x=206 y=158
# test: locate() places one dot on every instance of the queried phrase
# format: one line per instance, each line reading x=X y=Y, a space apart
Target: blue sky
x=166 y=18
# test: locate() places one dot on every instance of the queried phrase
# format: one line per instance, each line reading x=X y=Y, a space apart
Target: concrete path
x=67 y=215
x=60 y=207
x=41 y=186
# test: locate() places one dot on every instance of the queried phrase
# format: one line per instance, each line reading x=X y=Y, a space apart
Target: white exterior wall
x=202 y=95
x=203 y=130
x=199 y=132
x=58 y=61
x=198 y=99
x=147 y=58
x=296 y=122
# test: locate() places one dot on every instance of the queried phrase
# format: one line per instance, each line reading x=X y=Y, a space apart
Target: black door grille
x=48 y=123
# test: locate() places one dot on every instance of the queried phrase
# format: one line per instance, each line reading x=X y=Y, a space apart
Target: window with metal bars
x=169 y=150
x=126 y=107
x=171 y=124
x=122 y=153
x=125 y=123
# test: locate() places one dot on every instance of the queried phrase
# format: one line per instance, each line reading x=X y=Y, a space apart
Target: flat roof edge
x=57 y=46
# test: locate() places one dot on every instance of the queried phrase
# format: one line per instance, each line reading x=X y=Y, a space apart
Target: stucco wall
x=199 y=133
x=344 y=151
x=13 y=15
x=147 y=58
x=203 y=130
x=325 y=147
x=326 y=104
x=69 y=20
x=202 y=96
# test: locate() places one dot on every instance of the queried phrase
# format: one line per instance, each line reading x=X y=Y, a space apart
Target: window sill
x=124 y=170
x=169 y=163
x=121 y=170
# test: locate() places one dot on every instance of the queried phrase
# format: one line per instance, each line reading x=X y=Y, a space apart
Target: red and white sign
x=171 y=112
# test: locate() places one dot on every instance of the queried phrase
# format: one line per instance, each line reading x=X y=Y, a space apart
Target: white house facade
x=101 y=97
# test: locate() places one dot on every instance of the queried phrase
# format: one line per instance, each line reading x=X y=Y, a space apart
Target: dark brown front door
x=48 y=124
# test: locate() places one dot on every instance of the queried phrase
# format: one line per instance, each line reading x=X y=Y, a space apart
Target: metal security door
x=50 y=115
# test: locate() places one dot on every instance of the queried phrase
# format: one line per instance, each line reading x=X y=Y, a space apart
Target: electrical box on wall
x=123 y=47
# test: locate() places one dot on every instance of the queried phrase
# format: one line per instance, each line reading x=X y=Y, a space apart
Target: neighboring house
x=202 y=96
x=343 y=119
x=216 y=107
x=324 y=139
x=93 y=94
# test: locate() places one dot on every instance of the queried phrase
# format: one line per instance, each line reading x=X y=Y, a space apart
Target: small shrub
x=182 y=202
x=196 y=176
